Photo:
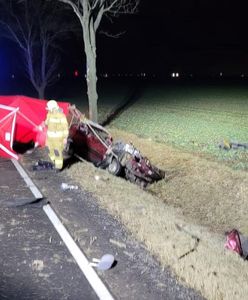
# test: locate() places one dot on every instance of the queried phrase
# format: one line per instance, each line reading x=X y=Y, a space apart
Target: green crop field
x=193 y=118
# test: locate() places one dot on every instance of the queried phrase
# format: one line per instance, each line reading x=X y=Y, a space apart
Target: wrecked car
x=137 y=168
x=91 y=141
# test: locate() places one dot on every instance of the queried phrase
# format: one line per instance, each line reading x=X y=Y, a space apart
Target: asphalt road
x=35 y=263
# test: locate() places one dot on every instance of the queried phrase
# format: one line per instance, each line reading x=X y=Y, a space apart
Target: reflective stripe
x=57 y=121
x=55 y=134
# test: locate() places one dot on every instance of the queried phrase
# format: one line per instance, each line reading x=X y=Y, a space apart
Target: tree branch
x=116 y=7
x=14 y=35
x=110 y=35
x=98 y=18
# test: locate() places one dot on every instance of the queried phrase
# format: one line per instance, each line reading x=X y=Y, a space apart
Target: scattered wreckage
x=233 y=145
x=237 y=242
x=20 y=119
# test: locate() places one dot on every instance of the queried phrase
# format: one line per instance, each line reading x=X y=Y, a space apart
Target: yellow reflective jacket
x=57 y=125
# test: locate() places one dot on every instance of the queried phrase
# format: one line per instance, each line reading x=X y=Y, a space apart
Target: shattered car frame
x=91 y=141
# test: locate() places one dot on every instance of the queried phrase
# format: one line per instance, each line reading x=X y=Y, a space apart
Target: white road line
x=83 y=263
x=27 y=179
x=94 y=280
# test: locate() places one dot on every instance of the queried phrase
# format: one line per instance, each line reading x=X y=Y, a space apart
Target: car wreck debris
x=92 y=142
x=137 y=168
x=233 y=242
x=234 y=145
x=66 y=186
x=43 y=165
x=237 y=242
x=106 y=262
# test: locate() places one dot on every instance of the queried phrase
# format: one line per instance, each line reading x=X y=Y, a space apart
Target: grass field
x=195 y=118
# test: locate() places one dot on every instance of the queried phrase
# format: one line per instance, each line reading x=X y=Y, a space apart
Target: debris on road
x=118 y=244
x=106 y=262
x=66 y=186
x=43 y=165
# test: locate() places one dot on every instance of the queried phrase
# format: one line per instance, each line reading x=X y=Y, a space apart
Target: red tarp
x=20 y=117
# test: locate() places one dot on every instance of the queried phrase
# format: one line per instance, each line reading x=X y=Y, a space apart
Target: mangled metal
x=94 y=143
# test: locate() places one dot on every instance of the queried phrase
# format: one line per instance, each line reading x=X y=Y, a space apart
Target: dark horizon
x=201 y=38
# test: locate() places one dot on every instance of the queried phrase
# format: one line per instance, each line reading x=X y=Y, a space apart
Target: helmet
x=52 y=104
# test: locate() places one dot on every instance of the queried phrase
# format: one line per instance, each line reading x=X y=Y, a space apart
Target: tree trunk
x=41 y=92
x=91 y=76
x=40 y=89
x=92 y=85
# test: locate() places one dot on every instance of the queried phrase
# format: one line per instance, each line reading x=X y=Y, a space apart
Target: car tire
x=115 y=168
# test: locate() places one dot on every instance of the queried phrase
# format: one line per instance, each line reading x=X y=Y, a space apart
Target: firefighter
x=57 y=133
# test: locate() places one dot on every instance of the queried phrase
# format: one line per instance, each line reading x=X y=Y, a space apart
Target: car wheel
x=115 y=167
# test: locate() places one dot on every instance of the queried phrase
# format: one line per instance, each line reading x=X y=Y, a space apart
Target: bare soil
x=181 y=219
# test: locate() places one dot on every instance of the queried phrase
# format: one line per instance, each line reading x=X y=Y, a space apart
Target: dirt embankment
x=181 y=219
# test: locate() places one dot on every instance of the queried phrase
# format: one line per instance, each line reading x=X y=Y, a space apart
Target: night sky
x=193 y=36
x=199 y=37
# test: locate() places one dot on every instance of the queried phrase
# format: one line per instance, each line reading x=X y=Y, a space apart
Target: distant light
x=242 y=75
x=58 y=75
x=105 y=75
x=221 y=74
x=12 y=76
x=175 y=75
x=76 y=73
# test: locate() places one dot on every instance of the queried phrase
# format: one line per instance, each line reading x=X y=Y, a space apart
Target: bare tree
x=34 y=26
x=90 y=14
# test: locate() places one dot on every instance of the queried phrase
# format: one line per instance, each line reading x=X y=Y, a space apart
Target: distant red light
x=76 y=73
